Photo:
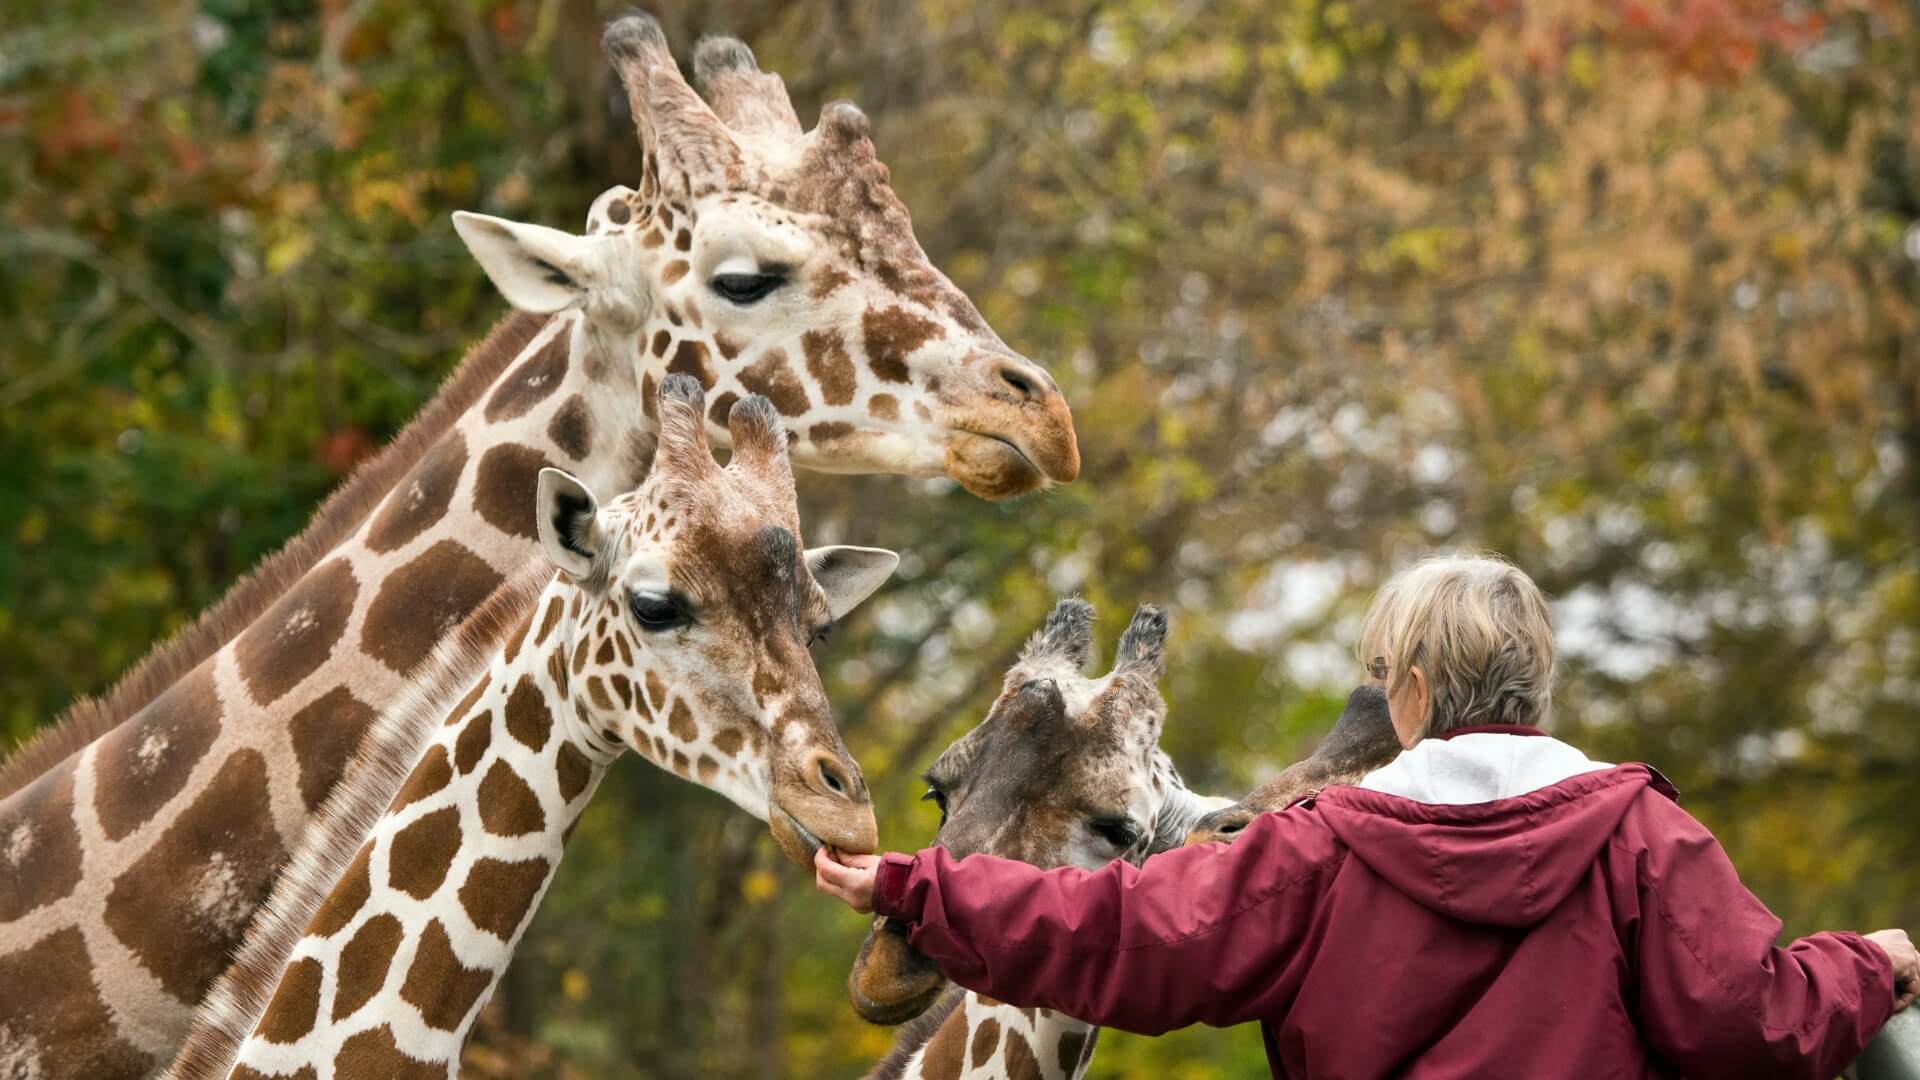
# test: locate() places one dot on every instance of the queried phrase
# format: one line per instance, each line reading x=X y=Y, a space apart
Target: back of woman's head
x=1479 y=630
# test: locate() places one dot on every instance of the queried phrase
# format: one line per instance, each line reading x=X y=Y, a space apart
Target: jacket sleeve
x=1717 y=996
x=1198 y=934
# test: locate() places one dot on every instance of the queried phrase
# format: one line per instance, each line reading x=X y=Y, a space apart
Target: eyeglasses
x=1377 y=668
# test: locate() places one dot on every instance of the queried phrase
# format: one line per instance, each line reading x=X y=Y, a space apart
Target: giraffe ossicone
x=1066 y=770
x=678 y=625
x=142 y=833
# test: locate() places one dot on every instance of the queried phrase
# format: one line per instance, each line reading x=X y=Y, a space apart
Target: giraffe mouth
x=992 y=466
x=796 y=841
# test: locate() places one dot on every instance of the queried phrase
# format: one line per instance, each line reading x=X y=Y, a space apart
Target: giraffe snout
x=822 y=801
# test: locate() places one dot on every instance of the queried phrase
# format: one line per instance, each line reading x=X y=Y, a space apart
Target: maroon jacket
x=1589 y=928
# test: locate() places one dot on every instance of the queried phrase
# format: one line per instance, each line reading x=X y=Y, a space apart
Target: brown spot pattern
x=574 y=769
x=728 y=347
x=363 y=965
x=690 y=358
x=347 y=897
x=375 y=1053
x=828 y=280
x=498 y=894
x=527 y=717
x=66 y=1015
x=722 y=405
x=421 y=498
x=508 y=807
x=944 y=1057
x=829 y=364
x=460 y=711
x=425 y=600
x=182 y=906
x=298 y=633
x=549 y=620
x=680 y=722
x=884 y=407
x=1021 y=1064
x=517 y=639
x=149 y=758
x=673 y=271
x=892 y=334
x=473 y=743
x=429 y=776
x=831 y=431
x=39 y=844
x=531 y=383
x=295 y=1004
x=571 y=428
x=774 y=378
x=325 y=734
x=421 y=854
x=438 y=984
x=728 y=741
x=661 y=339
x=985 y=1040
x=504 y=489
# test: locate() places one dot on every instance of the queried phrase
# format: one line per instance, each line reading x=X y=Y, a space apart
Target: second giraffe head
x=693 y=608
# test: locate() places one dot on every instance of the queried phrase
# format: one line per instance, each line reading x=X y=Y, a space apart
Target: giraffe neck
x=968 y=1034
x=405 y=937
x=134 y=865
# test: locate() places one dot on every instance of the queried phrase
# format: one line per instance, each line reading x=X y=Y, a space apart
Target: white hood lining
x=1479 y=767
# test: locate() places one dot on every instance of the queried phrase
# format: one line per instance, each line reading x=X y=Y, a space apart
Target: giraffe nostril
x=1022 y=383
x=830 y=777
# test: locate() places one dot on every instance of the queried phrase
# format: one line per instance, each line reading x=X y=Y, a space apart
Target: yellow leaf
x=288 y=251
x=759 y=887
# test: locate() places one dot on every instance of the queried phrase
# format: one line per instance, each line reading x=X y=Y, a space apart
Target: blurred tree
x=1628 y=292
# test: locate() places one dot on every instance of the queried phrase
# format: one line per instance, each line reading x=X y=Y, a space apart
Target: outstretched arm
x=1199 y=934
x=1718 y=997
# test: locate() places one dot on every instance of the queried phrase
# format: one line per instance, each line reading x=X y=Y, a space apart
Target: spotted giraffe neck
x=141 y=858
x=970 y=1035
x=398 y=915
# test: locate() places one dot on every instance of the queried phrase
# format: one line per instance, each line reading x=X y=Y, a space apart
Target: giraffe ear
x=568 y=518
x=539 y=270
x=849 y=575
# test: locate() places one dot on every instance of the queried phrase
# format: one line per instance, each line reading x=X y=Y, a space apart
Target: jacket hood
x=1493 y=829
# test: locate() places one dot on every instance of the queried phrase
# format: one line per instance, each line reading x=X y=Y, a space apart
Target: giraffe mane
x=387 y=754
x=88 y=718
x=915 y=1034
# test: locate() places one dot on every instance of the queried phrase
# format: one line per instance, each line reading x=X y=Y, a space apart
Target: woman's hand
x=1906 y=964
x=850 y=878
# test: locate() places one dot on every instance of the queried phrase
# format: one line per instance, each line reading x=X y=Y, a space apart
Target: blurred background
x=1629 y=292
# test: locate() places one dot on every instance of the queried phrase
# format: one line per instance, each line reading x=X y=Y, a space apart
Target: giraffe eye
x=744 y=289
x=1117 y=831
x=938 y=798
x=656 y=611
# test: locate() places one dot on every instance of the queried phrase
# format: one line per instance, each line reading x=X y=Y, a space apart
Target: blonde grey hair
x=1480 y=631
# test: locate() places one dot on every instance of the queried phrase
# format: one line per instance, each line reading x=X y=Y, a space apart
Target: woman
x=1492 y=903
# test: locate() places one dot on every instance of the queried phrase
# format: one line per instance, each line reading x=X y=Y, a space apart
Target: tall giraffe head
x=693 y=607
x=1066 y=770
x=762 y=259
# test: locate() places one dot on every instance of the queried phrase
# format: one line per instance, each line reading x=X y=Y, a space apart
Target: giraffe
x=139 y=836
x=1064 y=771
x=677 y=625
x=1361 y=741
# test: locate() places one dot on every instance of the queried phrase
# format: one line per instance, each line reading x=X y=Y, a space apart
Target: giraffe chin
x=892 y=982
x=991 y=467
